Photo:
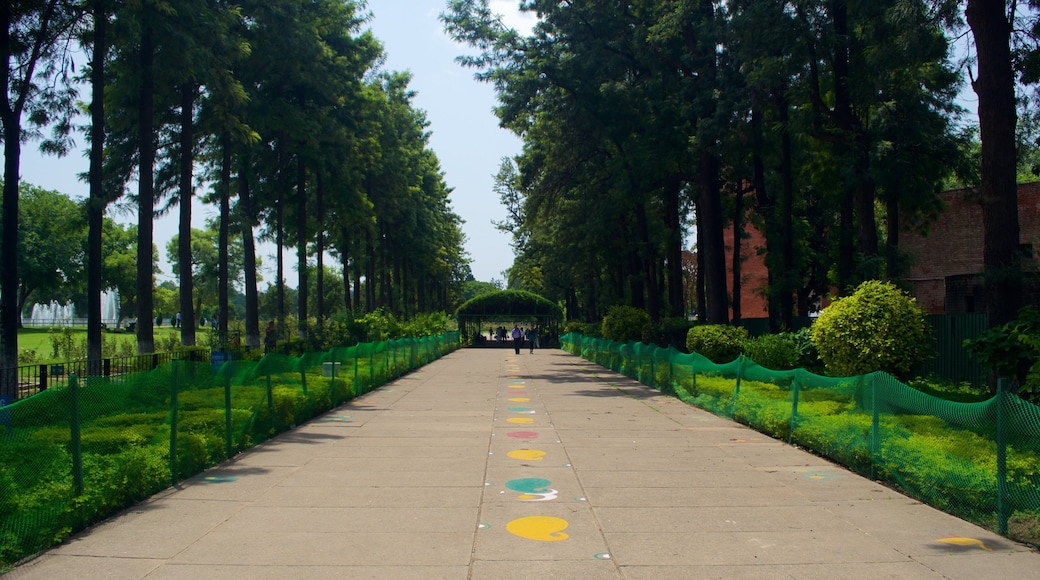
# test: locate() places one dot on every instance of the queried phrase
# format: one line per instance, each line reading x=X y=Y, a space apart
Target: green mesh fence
x=978 y=461
x=82 y=450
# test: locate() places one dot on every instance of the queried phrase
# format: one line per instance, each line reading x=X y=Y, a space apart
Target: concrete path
x=486 y=464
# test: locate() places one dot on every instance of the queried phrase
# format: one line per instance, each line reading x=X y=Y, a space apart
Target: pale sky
x=465 y=134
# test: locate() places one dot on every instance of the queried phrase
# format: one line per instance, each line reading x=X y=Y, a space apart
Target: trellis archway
x=480 y=315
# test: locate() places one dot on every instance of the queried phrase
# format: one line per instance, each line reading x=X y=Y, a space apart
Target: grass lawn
x=38 y=339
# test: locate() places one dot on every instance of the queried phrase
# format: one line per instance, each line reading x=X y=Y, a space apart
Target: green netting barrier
x=978 y=461
x=80 y=451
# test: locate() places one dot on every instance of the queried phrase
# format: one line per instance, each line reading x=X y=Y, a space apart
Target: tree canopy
x=826 y=125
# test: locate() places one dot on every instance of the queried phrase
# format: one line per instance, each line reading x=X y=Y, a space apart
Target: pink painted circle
x=522 y=434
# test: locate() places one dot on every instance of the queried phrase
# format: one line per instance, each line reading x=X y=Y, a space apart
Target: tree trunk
x=370 y=273
x=301 y=246
x=9 y=315
x=738 y=231
x=710 y=222
x=223 y=269
x=187 y=281
x=647 y=260
x=995 y=87
x=146 y=195
x=702 y=299
x=865 y=194
x=673 y=253
x=344 y=254
x=280 y=259
x=249 y=249
x=319 y=252
x=790 y=280
x=765 y=206
x=96 y=202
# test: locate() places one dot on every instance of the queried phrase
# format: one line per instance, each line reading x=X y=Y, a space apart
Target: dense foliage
x=807 y=120
x=774 y=351
x=719 y=343
x=625 y=323
x=1012 y=351
x=877 y=327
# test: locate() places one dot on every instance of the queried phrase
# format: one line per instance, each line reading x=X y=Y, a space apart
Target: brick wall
x=952 y=246
x=754 y=277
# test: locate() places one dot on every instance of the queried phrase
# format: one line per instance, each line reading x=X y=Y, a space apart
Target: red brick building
x=946 y=265
x=754 y=277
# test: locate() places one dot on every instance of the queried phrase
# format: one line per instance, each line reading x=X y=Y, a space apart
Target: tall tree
x=35 y=80
x=97 y=200
x=991 y=26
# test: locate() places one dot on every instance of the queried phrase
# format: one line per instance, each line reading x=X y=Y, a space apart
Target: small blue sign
x=217 y=360
x=5 y=411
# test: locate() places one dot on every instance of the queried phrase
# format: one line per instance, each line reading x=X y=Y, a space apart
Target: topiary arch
x=509 y=307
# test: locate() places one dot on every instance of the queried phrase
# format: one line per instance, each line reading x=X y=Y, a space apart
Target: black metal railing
x=34 y=378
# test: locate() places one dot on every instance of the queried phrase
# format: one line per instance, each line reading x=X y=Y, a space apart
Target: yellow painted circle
x=520 y=420
x=520 y=400
x=539 y=528
x=526 y=454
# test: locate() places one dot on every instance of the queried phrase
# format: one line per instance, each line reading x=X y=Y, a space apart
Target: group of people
x=520 y=335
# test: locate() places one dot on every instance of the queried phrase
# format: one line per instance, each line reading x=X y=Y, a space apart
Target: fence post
x=227 y=412
x=1002 y=491
x=270 y=399
x=43 y=378
x=740 y=372
x=875 y=426
x=794 y=407
x=173 y=425
x=332 y=385
x=653 y=367
x=357 y=384
x=75 y=442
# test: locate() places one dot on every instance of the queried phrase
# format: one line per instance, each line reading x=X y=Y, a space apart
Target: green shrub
x=1012 y=350
x=28 y=356
x=774 y=351
x=669 y=332
x=589 y=329
x=877 y=328
x=625 y=323
x=720 y=343
x=808 y=356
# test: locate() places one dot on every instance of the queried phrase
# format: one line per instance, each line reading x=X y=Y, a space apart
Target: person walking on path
x=532 y=336
x=518 y=338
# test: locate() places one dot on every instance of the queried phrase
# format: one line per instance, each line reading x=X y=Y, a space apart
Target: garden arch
x=508 y=307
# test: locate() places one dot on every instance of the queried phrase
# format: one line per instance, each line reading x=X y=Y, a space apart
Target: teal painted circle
x=529 y=485
x=521 y=410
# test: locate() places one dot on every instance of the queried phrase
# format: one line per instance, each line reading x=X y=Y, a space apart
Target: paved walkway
x=490 y=465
